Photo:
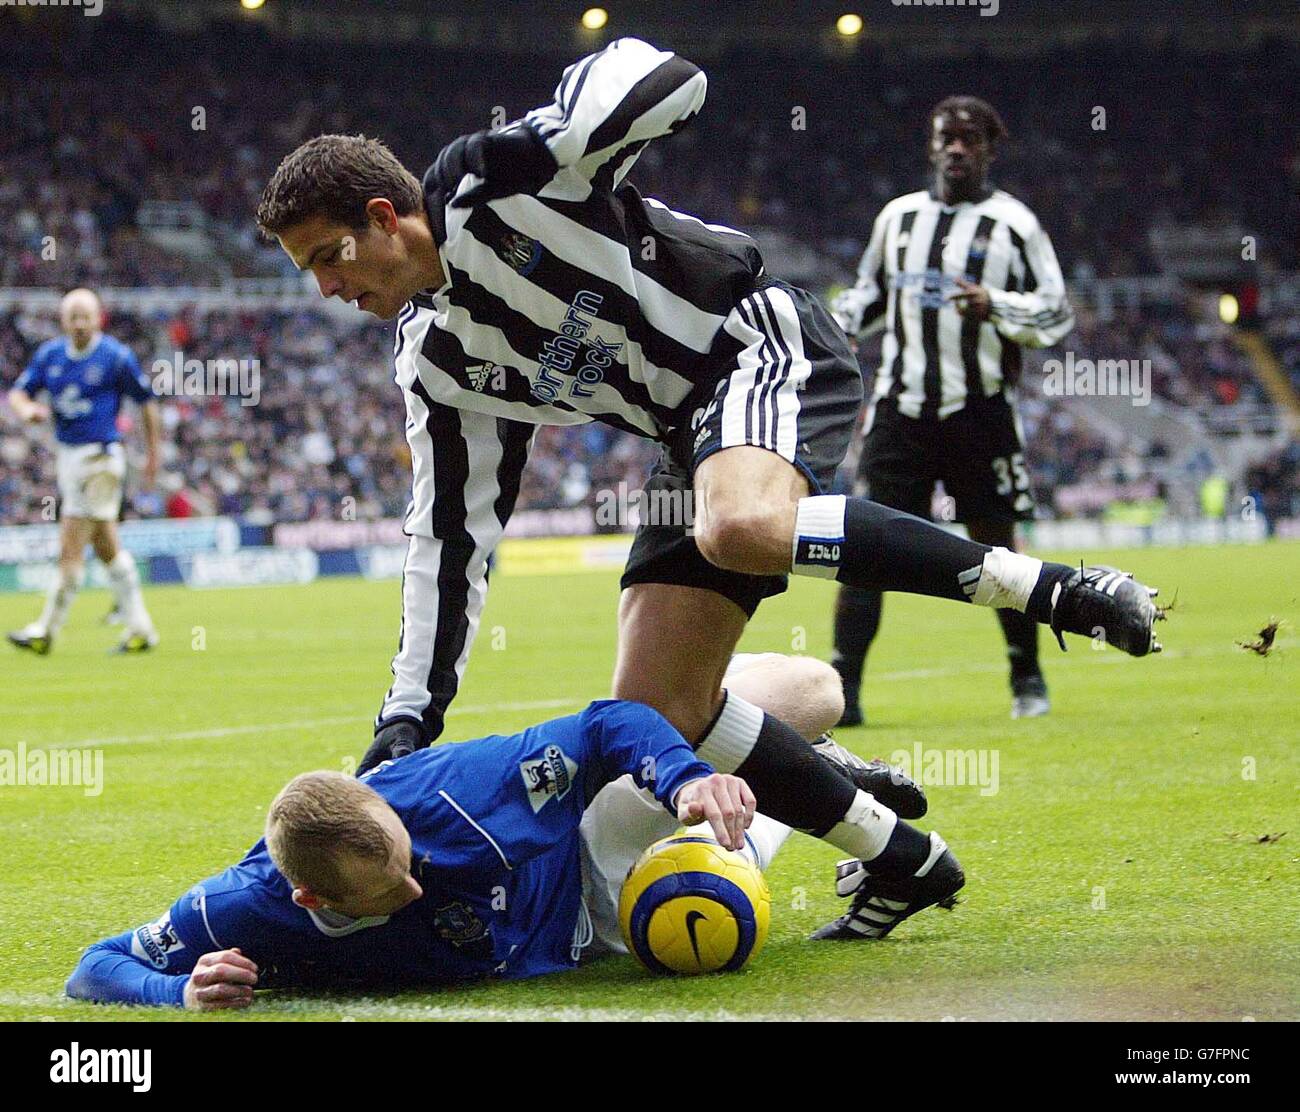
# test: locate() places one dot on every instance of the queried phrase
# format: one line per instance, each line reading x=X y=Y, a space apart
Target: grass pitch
x=1127 y=866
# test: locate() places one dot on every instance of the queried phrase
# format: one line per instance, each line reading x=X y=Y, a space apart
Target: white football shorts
x=621 y=822
x=91 y=480
x=616 y=828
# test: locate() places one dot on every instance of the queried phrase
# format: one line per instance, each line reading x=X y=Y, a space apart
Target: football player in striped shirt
x=527 y=254
x=960 y=277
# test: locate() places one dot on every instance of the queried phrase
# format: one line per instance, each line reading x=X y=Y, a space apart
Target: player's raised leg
x=767 y=444
x=749 y=522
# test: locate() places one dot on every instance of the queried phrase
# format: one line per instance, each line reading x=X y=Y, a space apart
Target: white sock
x=125 y=579
x=818 y=535
x=1006 y=580
x=733 y=736
x=865 y=829
x=762 y=840
x=59 y=600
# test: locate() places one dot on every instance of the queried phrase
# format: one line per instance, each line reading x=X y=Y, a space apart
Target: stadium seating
x=137 y=193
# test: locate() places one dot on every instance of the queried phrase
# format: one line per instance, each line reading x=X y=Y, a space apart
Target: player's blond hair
x=315 y=817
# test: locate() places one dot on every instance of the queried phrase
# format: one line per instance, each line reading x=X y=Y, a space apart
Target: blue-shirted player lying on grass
x=497 y=857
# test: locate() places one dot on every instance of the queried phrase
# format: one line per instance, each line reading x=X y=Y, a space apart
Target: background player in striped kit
x=86 y=374
x=527 y=255
x=960 y=277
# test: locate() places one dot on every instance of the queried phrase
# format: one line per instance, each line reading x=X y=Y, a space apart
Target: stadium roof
x=942 y=26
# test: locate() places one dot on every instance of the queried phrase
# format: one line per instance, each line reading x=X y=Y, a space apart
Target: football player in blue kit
x=86 y=374
x=500 y=857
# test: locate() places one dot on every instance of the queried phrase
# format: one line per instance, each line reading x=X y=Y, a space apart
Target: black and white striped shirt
x=579 y=301
x=583 y=300
x=933 y=359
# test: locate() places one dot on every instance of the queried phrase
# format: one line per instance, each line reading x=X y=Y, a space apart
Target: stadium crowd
x=319 y=437
x=323 y=437
x=95 y=124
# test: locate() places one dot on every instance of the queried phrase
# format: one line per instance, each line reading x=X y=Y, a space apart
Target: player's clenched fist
x=723 y=801
x=511 y=160
x=222 y=979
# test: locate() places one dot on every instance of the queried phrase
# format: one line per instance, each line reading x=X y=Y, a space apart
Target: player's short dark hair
x=335 y=176
x=984 y=115
x=315 y=817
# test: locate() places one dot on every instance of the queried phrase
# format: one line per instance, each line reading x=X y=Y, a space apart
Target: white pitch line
x=367 y=1008
x=373 y=1009
x=301 y=723
x=1110 y=657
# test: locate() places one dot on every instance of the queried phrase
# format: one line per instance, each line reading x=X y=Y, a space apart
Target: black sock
x=865 y=544
x=884 y=549
x=796 y=786
x=857 y=618
x=905 y=852
x=1021 y=632
x=793 y=783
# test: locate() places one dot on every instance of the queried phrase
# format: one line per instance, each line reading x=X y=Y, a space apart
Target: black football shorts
x=795 y=390
x=977 y=452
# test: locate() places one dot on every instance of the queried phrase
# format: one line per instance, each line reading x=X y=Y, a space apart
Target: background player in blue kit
x=86 y=374
x=497 y=857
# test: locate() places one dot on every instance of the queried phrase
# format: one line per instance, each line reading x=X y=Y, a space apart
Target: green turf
x=1116 y=873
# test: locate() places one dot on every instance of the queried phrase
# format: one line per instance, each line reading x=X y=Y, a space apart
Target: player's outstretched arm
x=195 y=955
x=633 y=738
x=110 y=972
x=502 y=800
x=607 y=107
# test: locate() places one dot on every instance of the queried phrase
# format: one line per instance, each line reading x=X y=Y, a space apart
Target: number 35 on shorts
x=1011 y=473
